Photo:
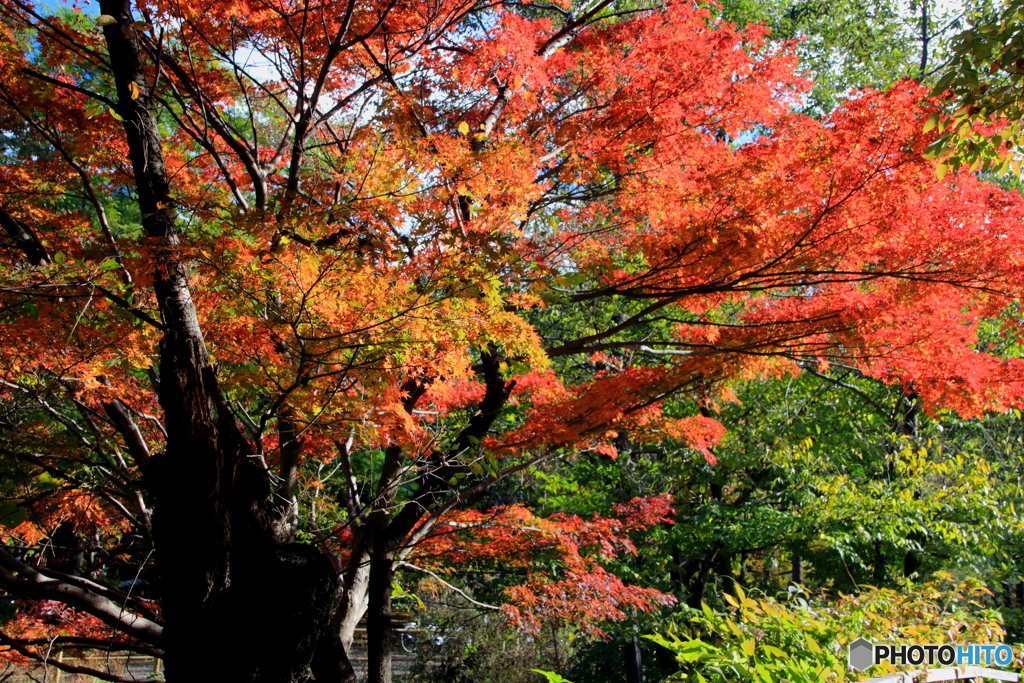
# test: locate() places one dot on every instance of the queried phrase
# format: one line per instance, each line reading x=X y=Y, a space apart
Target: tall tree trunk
x=378 y=619
x=697 y=582
x=388 y=538
x=239 y=605
x=634 y=661
x=879 y=567
x=912 y=560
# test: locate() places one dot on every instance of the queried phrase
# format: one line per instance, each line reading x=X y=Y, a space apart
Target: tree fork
x=389 y=541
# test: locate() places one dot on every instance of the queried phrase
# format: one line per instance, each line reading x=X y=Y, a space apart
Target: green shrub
x=768 y=641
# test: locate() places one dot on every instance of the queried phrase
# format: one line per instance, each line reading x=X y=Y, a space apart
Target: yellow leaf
x=133 y=88
x=464 y=128
x=105 y=20
x=734 y=627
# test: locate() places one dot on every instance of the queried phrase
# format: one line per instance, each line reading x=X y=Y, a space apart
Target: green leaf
x=398 y=592
x=943 y=84
x=11 y=514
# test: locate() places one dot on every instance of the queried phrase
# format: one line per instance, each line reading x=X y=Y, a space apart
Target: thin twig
x=448 y=585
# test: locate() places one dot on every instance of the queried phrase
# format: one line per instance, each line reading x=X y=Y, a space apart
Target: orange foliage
x=581 y=593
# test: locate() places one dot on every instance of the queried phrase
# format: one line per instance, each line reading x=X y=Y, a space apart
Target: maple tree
x=289 y=286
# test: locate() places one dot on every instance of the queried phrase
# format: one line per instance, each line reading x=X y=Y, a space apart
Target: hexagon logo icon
x=862 y=654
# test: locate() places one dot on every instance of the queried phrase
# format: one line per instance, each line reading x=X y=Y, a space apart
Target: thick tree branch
x=24 y=238
x=21 y=649
x=25 y=581
x=290 y=449
x=129 y=430
x=435 y=484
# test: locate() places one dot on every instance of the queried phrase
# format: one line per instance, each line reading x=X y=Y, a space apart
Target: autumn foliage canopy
x=404 y=250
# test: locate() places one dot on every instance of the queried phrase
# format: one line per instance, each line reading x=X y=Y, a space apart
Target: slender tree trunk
x=389 y=533
x=697 y=584
x=925 y=39
x=378 y=619
x=879 y=569
x=634 y=661
x=355 y=600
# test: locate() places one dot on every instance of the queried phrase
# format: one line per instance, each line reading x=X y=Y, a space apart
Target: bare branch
x=351 y=487
x=70 y=668
x=448 y=585
x=68 y=86
x=105 y=644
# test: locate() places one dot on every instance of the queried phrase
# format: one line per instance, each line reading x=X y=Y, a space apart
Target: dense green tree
x=981 y=128
x=845 y=44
